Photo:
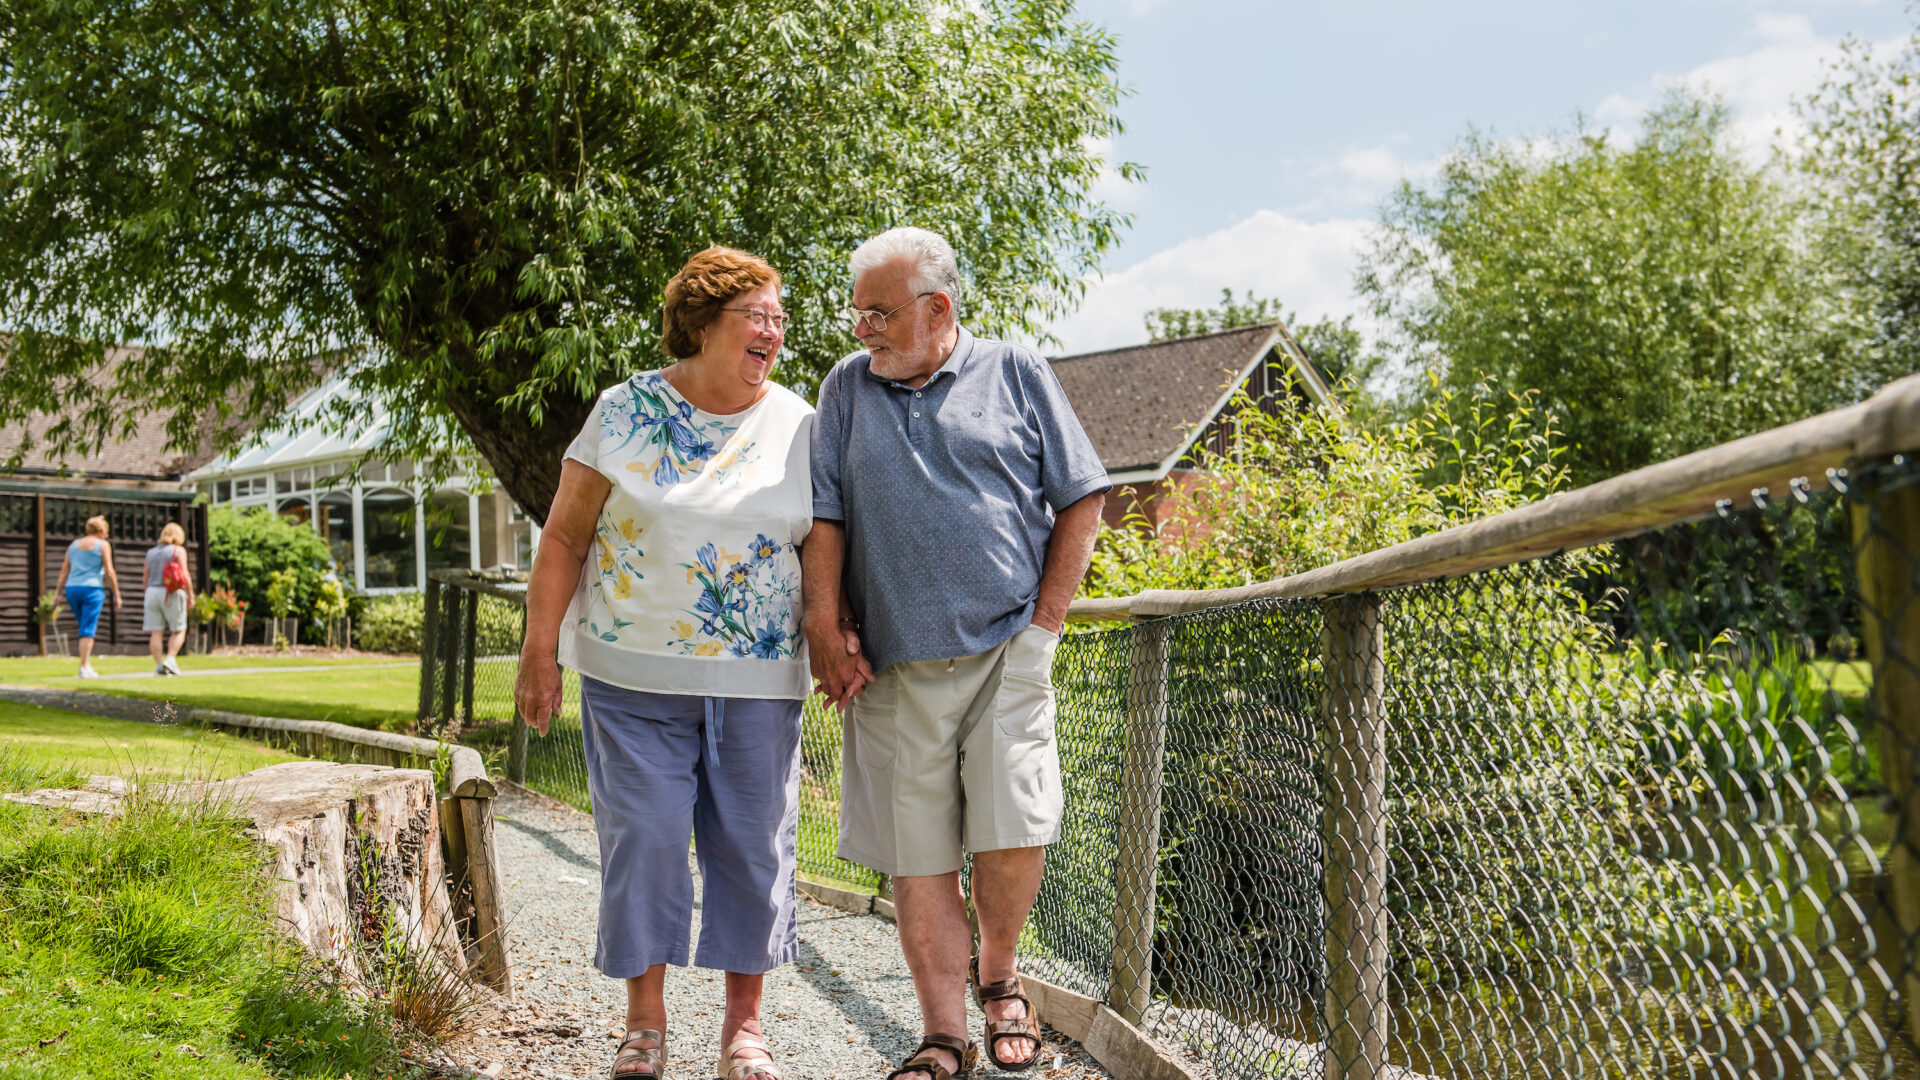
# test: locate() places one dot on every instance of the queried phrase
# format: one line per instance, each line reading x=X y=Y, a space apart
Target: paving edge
x=1117 y=1045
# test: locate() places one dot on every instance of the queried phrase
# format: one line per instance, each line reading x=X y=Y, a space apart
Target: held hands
x=536 y=691
x=840 y=670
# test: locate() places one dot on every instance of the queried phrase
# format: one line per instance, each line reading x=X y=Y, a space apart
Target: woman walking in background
x=168 y=589
x=86 y=572
x=686 y=498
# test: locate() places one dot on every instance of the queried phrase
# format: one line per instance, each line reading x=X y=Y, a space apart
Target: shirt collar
x=962 y=352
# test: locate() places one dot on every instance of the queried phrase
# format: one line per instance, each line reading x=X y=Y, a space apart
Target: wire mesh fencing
x=470 y=658
x=1643 y=809
x=1647 y=809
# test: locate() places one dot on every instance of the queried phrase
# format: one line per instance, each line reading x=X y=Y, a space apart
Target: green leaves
x=1661 y=296
x=474 y=207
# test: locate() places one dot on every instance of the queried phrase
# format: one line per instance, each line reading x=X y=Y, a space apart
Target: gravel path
x=844 y=1011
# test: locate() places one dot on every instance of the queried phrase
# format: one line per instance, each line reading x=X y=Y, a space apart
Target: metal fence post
x=517 y=749
x=1887 y=531
x=470 y=654
x=1355 y=1007
x=429 y=626
x=451 y=601
x=1138 y=827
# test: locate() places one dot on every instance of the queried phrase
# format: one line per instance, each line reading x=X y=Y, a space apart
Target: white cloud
x=1787 y=60
x=1308 y=266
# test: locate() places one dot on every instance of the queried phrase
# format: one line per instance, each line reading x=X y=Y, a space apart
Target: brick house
x=1149 y=408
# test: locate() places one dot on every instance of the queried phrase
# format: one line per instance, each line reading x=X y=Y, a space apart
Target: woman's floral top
x=693 y=583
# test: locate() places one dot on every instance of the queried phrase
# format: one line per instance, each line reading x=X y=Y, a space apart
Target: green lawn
x=142 y=944
x=358 y=692
x=58 y=742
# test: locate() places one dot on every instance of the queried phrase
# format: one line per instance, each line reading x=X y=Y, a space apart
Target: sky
x=1270 y=131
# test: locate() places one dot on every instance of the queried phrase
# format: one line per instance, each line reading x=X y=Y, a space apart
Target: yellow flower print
x=683 y=629
x=627 y=530
x=737 y=574
x=606 y=561
x=707 y=648
x=623 y=588
x=728 y=557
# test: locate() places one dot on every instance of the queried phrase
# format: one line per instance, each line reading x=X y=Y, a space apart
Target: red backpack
x=174 y=576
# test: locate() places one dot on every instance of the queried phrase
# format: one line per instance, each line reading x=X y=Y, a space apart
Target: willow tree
x=470 y=209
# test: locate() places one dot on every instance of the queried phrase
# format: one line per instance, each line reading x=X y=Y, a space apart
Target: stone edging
x=1117 y=1045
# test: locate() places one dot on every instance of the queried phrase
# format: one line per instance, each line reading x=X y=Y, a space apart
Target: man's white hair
x=934 y=267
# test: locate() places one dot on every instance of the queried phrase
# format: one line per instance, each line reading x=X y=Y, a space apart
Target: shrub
x=1305 y=488
x=246 y=547
x=391 y=623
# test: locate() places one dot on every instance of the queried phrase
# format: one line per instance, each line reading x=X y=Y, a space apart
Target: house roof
x=141 y=458
x=1142 y=406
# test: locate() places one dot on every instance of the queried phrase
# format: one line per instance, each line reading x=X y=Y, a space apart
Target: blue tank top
x=83 y=566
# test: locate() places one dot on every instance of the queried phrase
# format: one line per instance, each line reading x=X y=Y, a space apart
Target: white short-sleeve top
x=692 y=585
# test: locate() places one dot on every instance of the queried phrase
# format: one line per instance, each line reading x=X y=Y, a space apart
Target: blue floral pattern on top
x=673 y=443
x=745 y=606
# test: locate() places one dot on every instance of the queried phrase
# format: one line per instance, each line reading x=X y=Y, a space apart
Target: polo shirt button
x=916 y=393
x=916 y=416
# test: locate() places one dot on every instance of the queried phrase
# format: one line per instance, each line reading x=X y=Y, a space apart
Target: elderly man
x=955 y=501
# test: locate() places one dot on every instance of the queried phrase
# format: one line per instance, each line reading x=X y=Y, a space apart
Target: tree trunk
x=525 y=459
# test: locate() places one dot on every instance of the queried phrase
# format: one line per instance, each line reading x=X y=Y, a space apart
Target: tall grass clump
x=141 y=944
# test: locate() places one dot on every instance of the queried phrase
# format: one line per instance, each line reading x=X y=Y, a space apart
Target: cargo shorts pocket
x=1023 y=707
x=873 y=727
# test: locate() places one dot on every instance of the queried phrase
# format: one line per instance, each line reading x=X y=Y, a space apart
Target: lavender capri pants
x=724 y=771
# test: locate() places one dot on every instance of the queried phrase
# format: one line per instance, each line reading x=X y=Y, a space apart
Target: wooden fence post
x=37 y=562
x=429 y=642
x=489 y=908
x=1887 y=533
x=1138 y=827
x=1355 y=1007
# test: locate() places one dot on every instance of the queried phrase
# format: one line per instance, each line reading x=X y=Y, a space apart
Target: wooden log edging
x=466 y=771
x=1120 y=1047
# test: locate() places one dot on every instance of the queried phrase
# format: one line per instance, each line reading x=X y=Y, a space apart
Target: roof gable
x=1143 y=405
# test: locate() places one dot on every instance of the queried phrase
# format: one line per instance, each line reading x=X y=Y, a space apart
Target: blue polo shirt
x=947 y=493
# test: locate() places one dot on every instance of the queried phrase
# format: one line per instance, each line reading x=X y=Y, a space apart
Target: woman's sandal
x=929 y=1066
x=998 y=1031
x=654 y=1058
x=733 y=1067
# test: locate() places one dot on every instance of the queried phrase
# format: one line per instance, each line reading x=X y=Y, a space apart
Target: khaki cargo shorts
x=939 y=757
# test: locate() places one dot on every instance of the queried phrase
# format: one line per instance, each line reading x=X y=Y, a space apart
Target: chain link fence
x=1648 y=807
x=470 y=657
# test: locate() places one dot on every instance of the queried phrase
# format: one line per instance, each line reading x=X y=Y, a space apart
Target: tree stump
x=353 y=850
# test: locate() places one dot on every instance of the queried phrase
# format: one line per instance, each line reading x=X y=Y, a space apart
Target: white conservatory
x=303 y=470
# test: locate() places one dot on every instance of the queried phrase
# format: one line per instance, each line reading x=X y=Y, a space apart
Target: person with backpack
x=169 y=593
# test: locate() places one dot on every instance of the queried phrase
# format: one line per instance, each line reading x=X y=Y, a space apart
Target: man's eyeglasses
x=763 y=319
x=878 y=319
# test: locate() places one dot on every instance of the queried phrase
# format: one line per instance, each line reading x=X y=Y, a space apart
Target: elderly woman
x=86 y=573
x=685 y=500
x=166 y=594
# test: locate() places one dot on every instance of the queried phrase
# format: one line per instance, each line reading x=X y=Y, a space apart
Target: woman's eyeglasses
x=761 y=320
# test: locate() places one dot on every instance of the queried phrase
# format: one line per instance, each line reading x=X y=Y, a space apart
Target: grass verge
x=141 y=945
x=70 y=743
x=357 y=693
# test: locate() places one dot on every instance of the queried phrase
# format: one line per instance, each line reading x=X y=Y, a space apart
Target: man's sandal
x=926 y=1064
x=734 y=1067
x=998 y=1031
x=655 y=1058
